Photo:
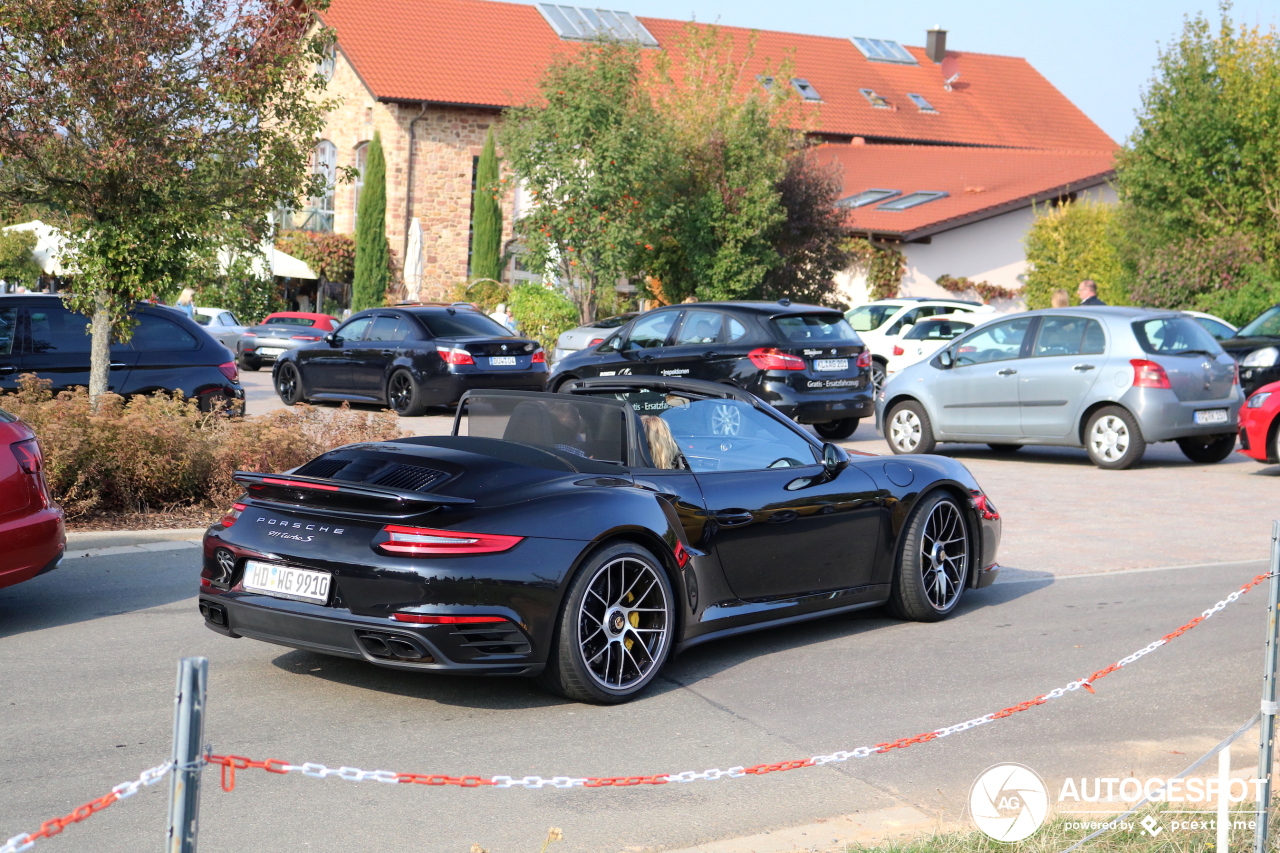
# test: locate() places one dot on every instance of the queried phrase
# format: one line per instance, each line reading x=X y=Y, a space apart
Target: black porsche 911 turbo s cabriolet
x=585 y=536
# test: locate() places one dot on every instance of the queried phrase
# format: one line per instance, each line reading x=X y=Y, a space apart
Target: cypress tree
x=486 y=217
x=373 y=261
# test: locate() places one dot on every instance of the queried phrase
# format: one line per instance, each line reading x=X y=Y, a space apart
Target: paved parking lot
x=87 y=656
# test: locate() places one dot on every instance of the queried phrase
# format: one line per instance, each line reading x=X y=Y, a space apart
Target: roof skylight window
x=884 y=50
x=919 y=101
x=877 y=101
x=912 y=200
x=805 y=89
x=578 y=23
x=866 y=197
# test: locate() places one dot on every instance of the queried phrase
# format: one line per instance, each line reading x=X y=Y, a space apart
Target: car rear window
x=814 y=328
x=463 y=324
x=275 y=320
x=1268 y=323
x=575 y=425
x=868 y=318
x=937 y=330
x=1174 y=335
x=158 y=334
x=612 y=322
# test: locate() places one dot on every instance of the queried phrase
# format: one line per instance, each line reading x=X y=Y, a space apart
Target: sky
x=1100 y=54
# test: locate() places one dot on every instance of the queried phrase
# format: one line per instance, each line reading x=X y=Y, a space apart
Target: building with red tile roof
x=989 y=132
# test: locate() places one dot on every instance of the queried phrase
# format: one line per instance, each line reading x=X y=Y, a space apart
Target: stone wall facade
x=446 y=141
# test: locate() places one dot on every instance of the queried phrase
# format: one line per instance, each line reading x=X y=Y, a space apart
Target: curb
x=102 y=543
x=833 y=834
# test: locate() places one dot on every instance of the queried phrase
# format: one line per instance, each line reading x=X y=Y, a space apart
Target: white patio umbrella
x=282 y=265
x=48 y=248
x=413 y=262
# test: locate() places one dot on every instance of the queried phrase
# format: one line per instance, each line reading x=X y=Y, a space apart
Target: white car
x=1216 y=326
x=222 y=324
x=930 y=335
x=881 y=324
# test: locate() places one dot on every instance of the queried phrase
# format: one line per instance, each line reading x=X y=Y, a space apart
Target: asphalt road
x=88 y=654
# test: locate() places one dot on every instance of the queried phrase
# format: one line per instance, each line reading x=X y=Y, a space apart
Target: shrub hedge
x=162 y=453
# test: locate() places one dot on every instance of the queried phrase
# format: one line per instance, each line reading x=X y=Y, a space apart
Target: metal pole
x=1267 y=726
x=1224 y=800
x=188 y=740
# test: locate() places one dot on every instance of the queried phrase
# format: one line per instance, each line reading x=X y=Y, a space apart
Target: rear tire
x=1113 y=439
x=562 y=381
x=878 y=375
x=404 y=396
x=1005 y=449
x=933 y=560
x=251 y=366
x=289 y=385
x=833 y=430
x=908 y=430
x=615 y=630
x=1208 y=450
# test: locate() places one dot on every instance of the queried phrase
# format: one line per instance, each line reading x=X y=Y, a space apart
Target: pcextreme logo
x=1009 y=802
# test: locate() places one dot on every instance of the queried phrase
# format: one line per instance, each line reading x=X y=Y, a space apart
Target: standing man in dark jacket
x=1088 y=293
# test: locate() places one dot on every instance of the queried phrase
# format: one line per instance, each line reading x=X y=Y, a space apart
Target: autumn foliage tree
x=159 y=131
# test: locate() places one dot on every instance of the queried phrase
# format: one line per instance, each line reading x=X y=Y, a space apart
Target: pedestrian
x=690 y=299
x=1060 y=299
x=187 y=302
x=1088 y=293
x=500 y=315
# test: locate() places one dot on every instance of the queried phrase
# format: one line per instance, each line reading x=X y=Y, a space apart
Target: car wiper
x=1196 y=352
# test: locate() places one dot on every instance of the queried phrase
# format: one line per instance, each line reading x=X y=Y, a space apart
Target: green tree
x=1069 y=243
x=717 y=227
x=1205 y=159
x=16 y=261
x=589 y=155
x=486 y=216
x=542 y=313
x=158 y=130
x=373 y=257
x=812 y=241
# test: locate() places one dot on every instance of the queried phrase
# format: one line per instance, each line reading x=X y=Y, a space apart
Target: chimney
x=936 y=46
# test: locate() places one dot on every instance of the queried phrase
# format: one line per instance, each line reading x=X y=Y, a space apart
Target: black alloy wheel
x=1208 y=449
x=933 y=560
x=616 y=627
x=832 y=430
x=404 y=396
x=289 y=385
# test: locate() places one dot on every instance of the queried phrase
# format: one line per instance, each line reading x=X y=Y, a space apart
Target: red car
x=323 y=322
x=1259 y=425
x=32 y=537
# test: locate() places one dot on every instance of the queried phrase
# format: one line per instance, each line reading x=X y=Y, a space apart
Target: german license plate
x=1211 y=416
x=831 y=364
x=503 y=361
x=269 y=350
x=286 y=582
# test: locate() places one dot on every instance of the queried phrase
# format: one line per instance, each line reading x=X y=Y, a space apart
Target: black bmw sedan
x=804 y=360
x=409 y=358
x=584 y=537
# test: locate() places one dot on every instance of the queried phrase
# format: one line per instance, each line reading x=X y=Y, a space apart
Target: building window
x=866 y=197
x=877 y=101
x=362 y=156
x=805 y=88
x=318 y=214
x=921 y=103
x=912 y=199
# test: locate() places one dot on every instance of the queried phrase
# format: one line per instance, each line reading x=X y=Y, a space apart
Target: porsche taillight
x=771 y=358
x=443 y=619
x=428 y=542
x=232 y=514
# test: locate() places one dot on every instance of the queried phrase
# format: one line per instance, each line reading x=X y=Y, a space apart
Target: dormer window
x=923 y=105
x=805 y=89
x=877 y=101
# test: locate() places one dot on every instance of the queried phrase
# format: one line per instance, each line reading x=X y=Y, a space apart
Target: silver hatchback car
x=1108 y=379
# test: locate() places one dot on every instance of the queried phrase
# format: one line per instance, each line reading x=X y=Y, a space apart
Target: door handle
x=388 y=352
x=8 y=368
x=733 y=517
x=116 y=365
x=646 y=358
x=1083 y=367
x=710 y=354
x=1008 y=371
x=346 y=353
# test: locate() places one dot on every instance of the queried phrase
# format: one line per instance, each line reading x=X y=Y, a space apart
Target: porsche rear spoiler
x=340 y=494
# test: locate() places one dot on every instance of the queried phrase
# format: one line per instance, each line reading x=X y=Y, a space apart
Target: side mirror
x=945 y=358
x=333 y=339
x=834 y=459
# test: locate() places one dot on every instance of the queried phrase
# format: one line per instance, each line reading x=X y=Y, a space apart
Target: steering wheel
x=786 y=462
